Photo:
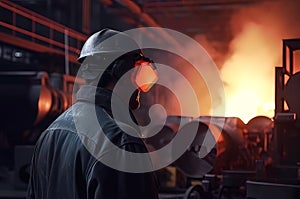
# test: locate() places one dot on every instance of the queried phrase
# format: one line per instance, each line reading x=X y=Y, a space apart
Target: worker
x=64 y=165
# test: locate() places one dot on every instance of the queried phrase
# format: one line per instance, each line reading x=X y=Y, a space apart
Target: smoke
x=280 y=18
x=248 y=66
x=169 y=99
x=249 y=72
x=247 y=61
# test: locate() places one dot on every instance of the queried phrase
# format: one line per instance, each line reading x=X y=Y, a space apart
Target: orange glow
x=44 y=104
x=247 y=60
x=249 y=74
x=145 y=76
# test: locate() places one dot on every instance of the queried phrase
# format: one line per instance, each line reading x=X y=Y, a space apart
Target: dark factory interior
x=246 y=143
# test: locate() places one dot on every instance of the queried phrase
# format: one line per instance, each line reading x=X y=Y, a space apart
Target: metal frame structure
x=51 y=41
x=284 y=119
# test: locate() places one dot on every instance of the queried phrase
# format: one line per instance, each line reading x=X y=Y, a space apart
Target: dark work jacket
x=63 y=167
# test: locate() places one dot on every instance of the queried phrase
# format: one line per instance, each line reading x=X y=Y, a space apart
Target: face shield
x=144 y=75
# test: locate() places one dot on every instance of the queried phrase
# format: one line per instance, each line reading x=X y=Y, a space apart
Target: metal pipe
x=86 y=18
x=67 y=70
x=133 y=7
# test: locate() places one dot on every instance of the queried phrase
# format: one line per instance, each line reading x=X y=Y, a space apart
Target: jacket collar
x=102 y=97
x=96 y=95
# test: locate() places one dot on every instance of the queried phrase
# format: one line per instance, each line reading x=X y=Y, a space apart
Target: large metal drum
x=28 y=104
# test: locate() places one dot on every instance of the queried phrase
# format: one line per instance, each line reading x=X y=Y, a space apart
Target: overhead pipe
x=86 y=16
x=135 y=9
x=204 y=4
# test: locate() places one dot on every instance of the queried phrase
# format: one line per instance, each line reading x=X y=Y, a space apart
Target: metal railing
x=25 y=28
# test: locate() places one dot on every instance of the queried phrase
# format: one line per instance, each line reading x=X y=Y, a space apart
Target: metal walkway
x=26 y=29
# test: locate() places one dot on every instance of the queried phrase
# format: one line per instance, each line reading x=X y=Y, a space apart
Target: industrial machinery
x=30 y=101
x=277 y=169
x=259 y=159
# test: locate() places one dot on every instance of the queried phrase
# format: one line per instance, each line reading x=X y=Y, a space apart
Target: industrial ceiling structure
x=187 y=16
x=209 y=19
x=210 y=22
x=213 y=23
